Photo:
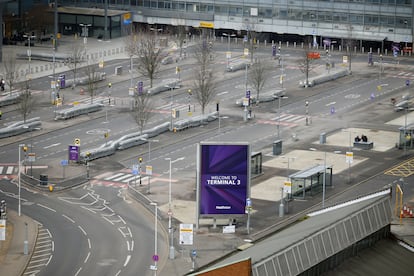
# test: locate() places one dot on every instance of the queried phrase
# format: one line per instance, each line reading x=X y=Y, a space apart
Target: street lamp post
x=278 y=115
x=172 y=250
x=228 y=54
x=155 y=257
x=281 y=206
x=20 y=172
x=29 y=51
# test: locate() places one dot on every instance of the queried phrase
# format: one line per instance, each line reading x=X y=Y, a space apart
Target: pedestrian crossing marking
x=114 y=176
x=7 y=169
x=284 y=120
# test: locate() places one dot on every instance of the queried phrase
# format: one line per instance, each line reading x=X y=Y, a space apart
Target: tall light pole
x=281 y=206
x=155 y=257
x=172 y=250
x=278 y=115
x=29 y=52
x=228 y=54
x=20 y=172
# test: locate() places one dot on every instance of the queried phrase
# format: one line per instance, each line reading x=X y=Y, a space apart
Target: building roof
x=317 y=237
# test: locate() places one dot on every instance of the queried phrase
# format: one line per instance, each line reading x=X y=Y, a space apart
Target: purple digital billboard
x=224 y=178
x=73 y=153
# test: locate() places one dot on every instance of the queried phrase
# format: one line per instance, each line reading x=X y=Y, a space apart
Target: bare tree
x=11 y=70
x=143 y=106
x=26 y=101
x=148 y=56
x=75 y=58
x=350 y=45
x=204 y=87
x=258 y=76
x=306 y=64
x=180 y=35
x=251 y=38
x=93 y=76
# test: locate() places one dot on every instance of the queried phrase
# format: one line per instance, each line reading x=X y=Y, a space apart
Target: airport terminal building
x=373 y=23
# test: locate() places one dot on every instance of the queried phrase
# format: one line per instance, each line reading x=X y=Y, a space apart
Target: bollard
x=50 y=188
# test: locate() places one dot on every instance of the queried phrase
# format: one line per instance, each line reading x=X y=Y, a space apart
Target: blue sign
x=248 y=202
x=407 y=82
x=155 y=258
x=140 y=87
x=64 y=162
x=248 y=94
x=193 y=253
x=62 y=81
x=332 y=110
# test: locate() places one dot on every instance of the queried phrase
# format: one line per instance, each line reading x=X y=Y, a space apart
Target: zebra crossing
x=289 y=120
x=404 y=75
x=121 y=179
x=96 y=99
x=166 y=108
x=43 y=252
x=8 y=171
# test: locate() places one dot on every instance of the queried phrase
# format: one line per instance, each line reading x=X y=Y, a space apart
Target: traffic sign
x=287 y=188
x=248 y=94
x=349 y=157
x=186 y=234
x=248 y=202
x=155 y=258
x=148 y=169
x=31 y=157
x=64 y=162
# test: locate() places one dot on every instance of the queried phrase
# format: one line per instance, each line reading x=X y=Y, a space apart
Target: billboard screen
x=224 y=178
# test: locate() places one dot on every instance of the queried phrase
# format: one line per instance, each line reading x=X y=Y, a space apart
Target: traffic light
x=140 y=160
x=109 y=85
x=25 y=148
x=106 y=134
x=189 y=92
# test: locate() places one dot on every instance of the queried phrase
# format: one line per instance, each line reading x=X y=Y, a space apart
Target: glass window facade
x=390 y=14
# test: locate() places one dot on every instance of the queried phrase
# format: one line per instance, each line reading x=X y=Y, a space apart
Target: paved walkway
x=211 y=243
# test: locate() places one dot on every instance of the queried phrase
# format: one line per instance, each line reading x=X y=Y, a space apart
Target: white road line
x=50 y=258
x=68 y=218
x=132 y=245
x=87 y=257
x=52 y=145
x=48 y=208
x=77 y=272
x=127 y=260
x=122 y=233
x=128 y=246
x=83 y=231
x=89 y=243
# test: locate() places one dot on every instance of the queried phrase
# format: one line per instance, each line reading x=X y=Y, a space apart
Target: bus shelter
x=406 y=140
x=309 y=182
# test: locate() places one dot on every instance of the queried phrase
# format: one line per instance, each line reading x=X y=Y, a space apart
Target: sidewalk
x=13 y=261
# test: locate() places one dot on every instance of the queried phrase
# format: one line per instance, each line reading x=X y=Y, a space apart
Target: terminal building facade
x=375 y=23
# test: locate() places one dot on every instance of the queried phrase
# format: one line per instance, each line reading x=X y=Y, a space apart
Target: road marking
x=83 y=231
x=222 y=93
x=68 y=218
x=87 y=257
x=52 y=145
x=127 y=260
x=48 y=208
x=331 y=103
